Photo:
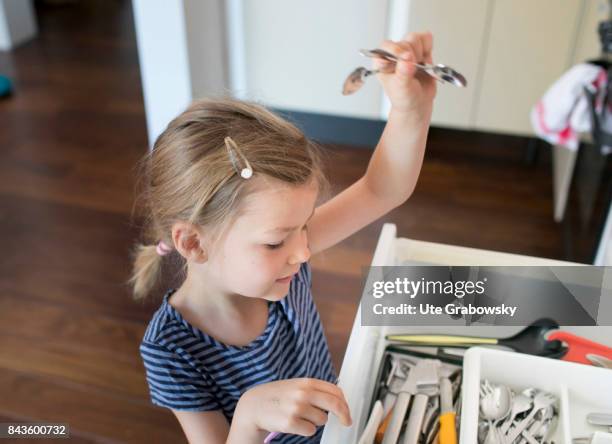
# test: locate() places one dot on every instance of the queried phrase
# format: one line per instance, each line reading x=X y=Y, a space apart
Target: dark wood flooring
x=69 y=139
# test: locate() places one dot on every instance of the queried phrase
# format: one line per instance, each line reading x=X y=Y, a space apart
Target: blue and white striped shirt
x=189 y=370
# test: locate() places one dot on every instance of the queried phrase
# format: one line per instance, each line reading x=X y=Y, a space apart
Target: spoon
x=549 y=427
x=356 y=79
x=440 y=72
x=599 y=361
x=539 y=427
x=521 y=404
x=541 y=401
x=495 y=405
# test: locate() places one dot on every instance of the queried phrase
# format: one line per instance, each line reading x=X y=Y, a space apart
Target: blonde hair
x=188 y=176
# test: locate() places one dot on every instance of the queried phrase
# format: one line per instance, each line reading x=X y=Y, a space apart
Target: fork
x=542 y=400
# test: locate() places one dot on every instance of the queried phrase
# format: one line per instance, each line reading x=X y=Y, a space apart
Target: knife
x=448 y=427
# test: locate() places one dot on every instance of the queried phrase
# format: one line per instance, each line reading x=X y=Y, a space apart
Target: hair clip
x=232 y=149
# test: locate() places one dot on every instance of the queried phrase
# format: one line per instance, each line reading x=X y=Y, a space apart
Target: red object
x=579 y=347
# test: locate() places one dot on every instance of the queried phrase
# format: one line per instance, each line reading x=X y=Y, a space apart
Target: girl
x=238 y=350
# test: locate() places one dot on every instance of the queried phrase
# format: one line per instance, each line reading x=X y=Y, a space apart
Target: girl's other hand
x=295 y=406
x=409 y=89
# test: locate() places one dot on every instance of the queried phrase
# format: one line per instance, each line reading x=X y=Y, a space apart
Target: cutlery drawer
x=367 y=344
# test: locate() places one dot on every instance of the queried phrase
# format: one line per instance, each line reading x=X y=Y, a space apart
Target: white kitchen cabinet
x=587 y=41
x=298 y=53
x=367 y=344
x=510 y=52
x=295 y=55
x=459 y=30
x=529 y=45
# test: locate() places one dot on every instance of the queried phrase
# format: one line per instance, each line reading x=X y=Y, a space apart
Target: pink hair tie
x=163 y=249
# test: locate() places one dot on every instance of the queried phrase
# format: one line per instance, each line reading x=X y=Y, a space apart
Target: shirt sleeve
x=174 y=383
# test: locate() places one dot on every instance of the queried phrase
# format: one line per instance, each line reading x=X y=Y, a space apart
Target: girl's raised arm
x=395 y=165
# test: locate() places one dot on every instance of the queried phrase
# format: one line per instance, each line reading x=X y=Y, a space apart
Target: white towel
x=564 y=110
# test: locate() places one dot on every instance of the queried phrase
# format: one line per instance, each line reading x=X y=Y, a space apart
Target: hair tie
x=234 y=152
x=162 y=248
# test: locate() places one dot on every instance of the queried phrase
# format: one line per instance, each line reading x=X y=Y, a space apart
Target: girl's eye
x=274 y=246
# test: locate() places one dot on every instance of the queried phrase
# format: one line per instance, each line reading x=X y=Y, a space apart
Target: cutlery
x=369 y=432
x=448 y=427
x=599 y=361
x=530 y=340
x=579 y=347
x=600 y=419
x=423 y=376
x=521 y=403
x=432 y=428
x=356 y=79
x=540 y=427
x=442 y=73
x=495 y=405
x=595 y=438
x=541 y=401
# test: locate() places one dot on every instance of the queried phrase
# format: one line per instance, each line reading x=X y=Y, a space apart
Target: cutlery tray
x=580 y=389
x=451 y=362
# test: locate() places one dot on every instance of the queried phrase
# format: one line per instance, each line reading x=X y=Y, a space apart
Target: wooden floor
x=69 y=139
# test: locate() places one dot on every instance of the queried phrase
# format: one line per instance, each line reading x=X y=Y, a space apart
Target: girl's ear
x=189 y=242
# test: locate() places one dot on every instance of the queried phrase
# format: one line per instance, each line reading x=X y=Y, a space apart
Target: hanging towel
x=564 y=111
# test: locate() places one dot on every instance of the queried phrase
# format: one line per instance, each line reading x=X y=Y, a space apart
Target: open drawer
x=367 y=344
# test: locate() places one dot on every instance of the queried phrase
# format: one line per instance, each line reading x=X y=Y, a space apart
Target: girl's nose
x=301 y=251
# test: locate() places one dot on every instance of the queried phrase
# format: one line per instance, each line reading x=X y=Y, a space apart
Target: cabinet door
x=459 y=29
x=530 y=45
x=298 y=53
x=588 y=45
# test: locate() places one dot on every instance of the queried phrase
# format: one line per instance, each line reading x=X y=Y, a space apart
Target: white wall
x=17 y=23
x=181 y=47
x=467 y=18
x=298 y=53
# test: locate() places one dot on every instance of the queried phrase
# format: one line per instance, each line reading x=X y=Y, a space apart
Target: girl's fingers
x=299 y=426
x=427 y=47
x=314 y=415
x=334 y=404
x=382 y=64
x=414 y=44
x=330 y=388
x=414 y=48
x=326 y=396
x=408 y=58
x=405 y=52
x=393 y=47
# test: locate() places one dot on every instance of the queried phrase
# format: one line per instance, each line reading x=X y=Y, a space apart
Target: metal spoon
x=495 y=405
x=541 y=401
x=521 y=404
x=440 y=72
x=540 y=426
x=356 y=79
x=549 y=427
x=599 y=361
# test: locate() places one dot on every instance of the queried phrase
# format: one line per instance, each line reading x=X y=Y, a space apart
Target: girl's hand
x=295 y=406
x=409 y=89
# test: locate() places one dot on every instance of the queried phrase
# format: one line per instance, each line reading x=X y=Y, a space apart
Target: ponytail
x=146 y=270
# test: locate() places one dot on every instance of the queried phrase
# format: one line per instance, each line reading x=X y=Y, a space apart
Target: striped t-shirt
x=189 y=370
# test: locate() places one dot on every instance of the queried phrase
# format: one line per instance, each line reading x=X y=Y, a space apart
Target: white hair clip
x=234 y=152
